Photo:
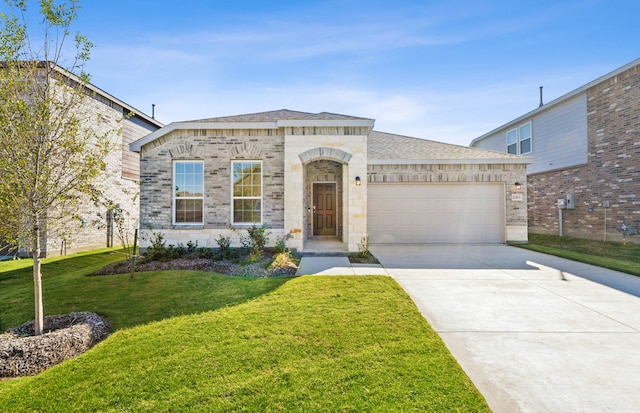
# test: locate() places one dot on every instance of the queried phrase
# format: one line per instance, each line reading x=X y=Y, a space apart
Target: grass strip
x=618 y=256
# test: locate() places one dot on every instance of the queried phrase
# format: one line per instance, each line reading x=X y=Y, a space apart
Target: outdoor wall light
x=358 y=181
x=518 y=186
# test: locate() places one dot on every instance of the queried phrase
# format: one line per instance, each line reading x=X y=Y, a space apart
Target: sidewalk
x=337 y=266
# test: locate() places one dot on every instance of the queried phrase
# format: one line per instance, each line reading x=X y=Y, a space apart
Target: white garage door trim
x=436 y=213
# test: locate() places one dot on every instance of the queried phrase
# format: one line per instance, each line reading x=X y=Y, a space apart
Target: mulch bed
x=368 y=258
x=64 y=336
x=258 y=269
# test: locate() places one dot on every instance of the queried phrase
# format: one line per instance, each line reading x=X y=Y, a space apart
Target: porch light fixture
x=518 y=186
x=358 y=181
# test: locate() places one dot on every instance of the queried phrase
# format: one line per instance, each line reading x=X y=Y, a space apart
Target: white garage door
x=436 y=213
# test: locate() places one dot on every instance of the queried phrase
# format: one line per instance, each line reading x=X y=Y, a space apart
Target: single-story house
x=585 y=147
x=324 y=175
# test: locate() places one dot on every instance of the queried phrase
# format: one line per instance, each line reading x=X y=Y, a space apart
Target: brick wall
x=217 y=148
x=72 y=236
x=612 y=172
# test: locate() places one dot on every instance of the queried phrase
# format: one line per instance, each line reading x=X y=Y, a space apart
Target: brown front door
x=324 y=209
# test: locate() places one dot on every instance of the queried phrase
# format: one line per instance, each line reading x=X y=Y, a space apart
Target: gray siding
x=559 y=137
x=496 y=142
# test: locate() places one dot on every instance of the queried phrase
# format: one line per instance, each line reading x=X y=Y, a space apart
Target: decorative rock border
x=66 y=336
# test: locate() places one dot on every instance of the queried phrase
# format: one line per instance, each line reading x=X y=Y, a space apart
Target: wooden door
x=324 y=209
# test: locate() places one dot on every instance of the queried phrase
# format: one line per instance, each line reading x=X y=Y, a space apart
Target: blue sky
x=443 y=70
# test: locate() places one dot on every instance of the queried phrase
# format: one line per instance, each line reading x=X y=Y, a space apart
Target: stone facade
x=346 y=150
x=515 y=198
x=217 y=149
x=612 y=172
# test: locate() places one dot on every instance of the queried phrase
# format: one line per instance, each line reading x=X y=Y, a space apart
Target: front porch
x=324 y=245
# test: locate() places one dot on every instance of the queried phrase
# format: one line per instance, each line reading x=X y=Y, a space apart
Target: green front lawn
x=613 y=255
x=235 y=344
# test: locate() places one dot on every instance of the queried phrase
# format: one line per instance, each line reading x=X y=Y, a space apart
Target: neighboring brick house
x=586 y=150
x=324 y=175
x=120 y=181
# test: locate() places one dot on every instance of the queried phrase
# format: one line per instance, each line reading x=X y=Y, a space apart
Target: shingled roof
x=390 y=148
x=276 y=115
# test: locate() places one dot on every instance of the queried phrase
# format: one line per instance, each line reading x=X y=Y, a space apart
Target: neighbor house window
x=188 y=183
x=519 y=139
x=247 y=192
x=512 y=141
x=524 y=132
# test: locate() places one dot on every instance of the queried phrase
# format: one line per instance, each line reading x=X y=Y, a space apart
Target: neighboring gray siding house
x=324 y=175
x=585 y=147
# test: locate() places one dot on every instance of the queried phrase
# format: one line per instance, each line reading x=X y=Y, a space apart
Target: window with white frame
x=519 y=139
x=188 y=196
x=246 y=192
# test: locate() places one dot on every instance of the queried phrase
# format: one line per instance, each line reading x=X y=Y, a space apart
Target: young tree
x=49 y=153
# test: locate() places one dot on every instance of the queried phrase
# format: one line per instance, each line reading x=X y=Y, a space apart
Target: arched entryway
x=324 y=198
x=325 y=171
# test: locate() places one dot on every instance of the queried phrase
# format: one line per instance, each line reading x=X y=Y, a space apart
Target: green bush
x=281 y=244
x=258 y=236
x=224 y=243
x=157 y=250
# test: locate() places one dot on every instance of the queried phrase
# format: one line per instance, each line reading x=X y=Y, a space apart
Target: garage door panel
x=436 y=213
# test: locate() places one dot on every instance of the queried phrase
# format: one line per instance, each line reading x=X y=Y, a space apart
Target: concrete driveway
x=535 y=333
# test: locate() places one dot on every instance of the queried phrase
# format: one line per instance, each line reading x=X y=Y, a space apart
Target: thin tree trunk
x=37 y=282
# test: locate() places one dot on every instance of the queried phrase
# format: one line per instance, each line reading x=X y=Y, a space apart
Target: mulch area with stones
x=64 y=336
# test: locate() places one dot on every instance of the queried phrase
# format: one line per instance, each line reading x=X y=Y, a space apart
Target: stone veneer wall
x=611 y=174
x=217 y=148
x=348 y=147
x=516 y=213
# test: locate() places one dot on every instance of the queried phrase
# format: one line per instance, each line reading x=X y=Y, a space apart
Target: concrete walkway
x=337 y=266
x=535 y=333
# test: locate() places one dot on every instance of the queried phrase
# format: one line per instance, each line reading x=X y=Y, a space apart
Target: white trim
x=173 y=193
x=261 y=198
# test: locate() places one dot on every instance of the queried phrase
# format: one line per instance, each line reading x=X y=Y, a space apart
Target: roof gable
x=278 y=115
x=262 y=120
x=270 y=116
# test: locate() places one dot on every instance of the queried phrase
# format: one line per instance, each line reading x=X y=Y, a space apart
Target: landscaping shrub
x=224 y=243
x=281 y=244
x=259 y=236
